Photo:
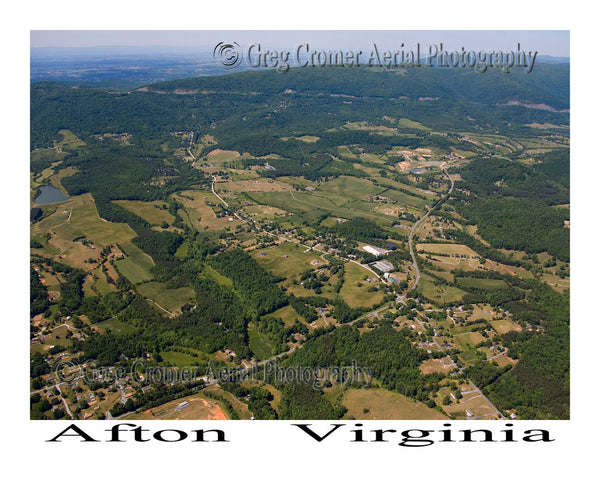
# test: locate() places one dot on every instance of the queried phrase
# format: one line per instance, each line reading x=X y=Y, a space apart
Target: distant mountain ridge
x=305 y=99
x=546 y=84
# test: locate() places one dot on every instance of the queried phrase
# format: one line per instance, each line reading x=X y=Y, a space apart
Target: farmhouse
x=392 y=277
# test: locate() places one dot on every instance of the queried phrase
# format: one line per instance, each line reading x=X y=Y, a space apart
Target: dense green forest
x=375 y=93
x=514 y=204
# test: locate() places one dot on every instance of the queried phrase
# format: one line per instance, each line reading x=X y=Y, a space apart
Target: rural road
x=416 y=227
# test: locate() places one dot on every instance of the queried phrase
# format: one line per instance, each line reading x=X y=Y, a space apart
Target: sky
x=546 y=42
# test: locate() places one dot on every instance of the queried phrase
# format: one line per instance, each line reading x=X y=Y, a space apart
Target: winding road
x=416 y=226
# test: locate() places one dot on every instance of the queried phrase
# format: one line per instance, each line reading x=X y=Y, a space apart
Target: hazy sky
x=546 y=42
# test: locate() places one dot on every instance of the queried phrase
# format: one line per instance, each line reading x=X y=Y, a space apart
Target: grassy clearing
x=137 y=265
x=351 y=187
x=314 y=203
x=297 y=261
x=557 y=283
x=69 y=140
x=355 y=289
x=115 y=325
x=435 y=365
x=149 y=211
x=505 y=326
x=46 y=154
x=304 y=138
x=449 y=277
x=258 y=185
x=169 y=298
x=78 y=217
x=185 y=359
x=546 y=126
x=475 y=403
x=55 y=180
x=264 y=211
x=287 y=315
x=446 y=249
x=468 y=356
x=439 y=293
x=96 y=284
x=503 y=361
x=372 y=158
x=413 y=191
x=346 y=152
x=216 y=277
x=259 y=343
x=369 y=128
x=406 y=198
x=405 y=122
x=219 y=157
x=481 y=312
x=380 y=404
x=485 y=283
x=200 y=215
x=468 y=340
x=462 y=153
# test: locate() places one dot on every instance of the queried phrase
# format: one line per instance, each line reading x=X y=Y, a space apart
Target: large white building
x=375 y=251
x=383 y=266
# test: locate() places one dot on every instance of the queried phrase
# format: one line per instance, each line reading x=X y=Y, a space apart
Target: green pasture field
x=439 y=293
x=55 y=180
x=116 y=326
x=346 y=152
x=102 y=287
x=169 y=298
x=468 y=340
x=297 y=261
x=485 y=283
x=449 y=277
x=78 y=217
x=405 y=122
x=185 y=359
x=373 y=158
x=149 y=211
x=287 y=315
x=359 y=296
x=406 y=198
x=259 y=343
x=304 y=202
x=137 y=265
x=381 y=404
x=504 y=326
x=220 y=157
x=46 y=154
x=201 y=216
x=481 y=311
x=216 y=277
x=351 y=187
x=446 y=249
x=69 y=140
